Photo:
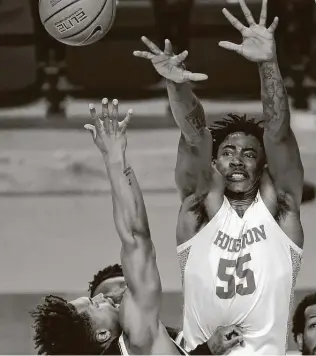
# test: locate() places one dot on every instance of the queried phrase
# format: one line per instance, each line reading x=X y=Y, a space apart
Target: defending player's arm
x=137 y=253
x=281 y=148
x=187 y=111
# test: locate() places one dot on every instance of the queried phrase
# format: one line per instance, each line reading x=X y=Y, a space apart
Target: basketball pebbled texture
x=77 y=22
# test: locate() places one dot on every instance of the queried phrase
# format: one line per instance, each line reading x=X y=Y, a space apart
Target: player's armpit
x=198 y=209
x=285 y=166
x=192 y=216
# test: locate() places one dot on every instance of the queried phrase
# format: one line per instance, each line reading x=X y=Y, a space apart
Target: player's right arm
x=143 y=297
x=186 y=109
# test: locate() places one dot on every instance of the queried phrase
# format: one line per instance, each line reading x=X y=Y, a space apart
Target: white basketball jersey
x=240 y=271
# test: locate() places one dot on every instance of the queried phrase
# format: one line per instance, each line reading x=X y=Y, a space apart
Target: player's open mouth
x=237 y=176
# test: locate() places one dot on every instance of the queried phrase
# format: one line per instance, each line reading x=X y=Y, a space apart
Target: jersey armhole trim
x=122 y=346
x=179 y=347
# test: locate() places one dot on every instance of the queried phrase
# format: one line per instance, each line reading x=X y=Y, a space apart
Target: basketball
x=77 y=22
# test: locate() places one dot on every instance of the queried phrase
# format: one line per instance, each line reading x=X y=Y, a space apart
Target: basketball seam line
x=109 y=27
x=65 y=7
x=92 y=21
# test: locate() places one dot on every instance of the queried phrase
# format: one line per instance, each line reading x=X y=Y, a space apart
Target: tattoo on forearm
x=274 y=98
x=267 y=73
x=196 y=119
x=128 y=174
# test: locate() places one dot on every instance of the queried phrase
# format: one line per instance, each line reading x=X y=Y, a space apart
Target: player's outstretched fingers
x=92 y=130
x=143 y=54
x=125 y=122
x=181 y=57
x=93 y=112
x=155 y=49
x=114 y=115
x=105 y=114
x=168 y=48
x=234 y=21
x=95 y=118
x=231 y=46
x=274 y=25
x=263 y=14
x=247 y=12
x=193 y=77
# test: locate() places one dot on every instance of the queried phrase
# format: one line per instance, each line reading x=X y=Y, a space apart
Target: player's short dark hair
x=234 y=123
x=299 y=314
x=108 y=272
x=61 y=330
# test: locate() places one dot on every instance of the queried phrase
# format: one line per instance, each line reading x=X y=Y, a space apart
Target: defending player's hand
x=167 y=64
x=258 y=41
x=109 y=135
x=225 y=338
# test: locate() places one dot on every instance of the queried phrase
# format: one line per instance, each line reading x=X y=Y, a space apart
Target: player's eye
x=227 y=153
x=312 y=326
x=250 y=155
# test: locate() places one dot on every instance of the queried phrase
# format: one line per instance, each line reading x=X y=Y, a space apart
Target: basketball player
x=97 y=325
x=304 y=325
x=239 y=233
x=111 y=283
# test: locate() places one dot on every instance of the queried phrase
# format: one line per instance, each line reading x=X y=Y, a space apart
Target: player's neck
x=241 y=201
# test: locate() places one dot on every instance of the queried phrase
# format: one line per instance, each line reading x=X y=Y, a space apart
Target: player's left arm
x=137 y=253
x=282 y=151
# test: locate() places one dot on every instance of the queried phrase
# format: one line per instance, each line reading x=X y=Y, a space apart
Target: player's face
x=113 y=288
x=309 y=337
x=101 y=310
x=240 y=160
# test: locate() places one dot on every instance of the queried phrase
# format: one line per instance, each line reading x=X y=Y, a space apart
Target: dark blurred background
x=56 y=227
x=55 y=71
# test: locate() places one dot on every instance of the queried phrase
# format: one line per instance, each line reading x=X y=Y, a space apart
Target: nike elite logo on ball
x=71 y=21
x=77 y=22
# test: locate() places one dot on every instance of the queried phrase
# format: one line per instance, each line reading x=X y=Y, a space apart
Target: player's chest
x=242 y=257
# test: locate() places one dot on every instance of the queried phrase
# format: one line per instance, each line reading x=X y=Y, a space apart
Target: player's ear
x=299 y=341
x=102 y=335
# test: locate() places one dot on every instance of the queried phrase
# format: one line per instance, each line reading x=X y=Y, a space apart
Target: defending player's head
x=110 y=281
x=304 y=325
x=238 y=152
x=83 y=326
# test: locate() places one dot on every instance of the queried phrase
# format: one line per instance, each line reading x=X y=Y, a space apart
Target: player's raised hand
x=167 y=64
x=224 y=339
x=109 y=135
x=258 y=41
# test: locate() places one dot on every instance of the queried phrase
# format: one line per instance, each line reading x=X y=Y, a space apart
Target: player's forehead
x=241 y=140
x=310 y=313
x=81 y=304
